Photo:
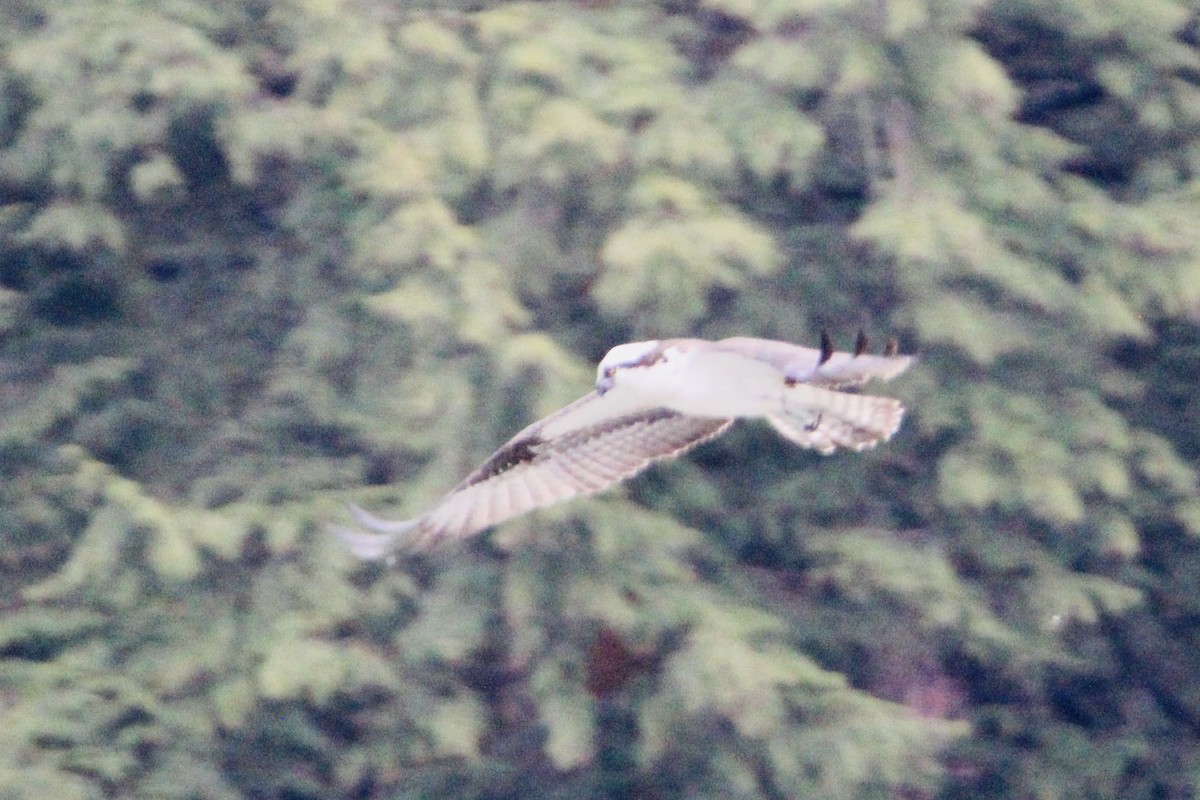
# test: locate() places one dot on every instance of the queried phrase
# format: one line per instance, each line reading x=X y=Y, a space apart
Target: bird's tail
x=378 y=537
x=825 y=420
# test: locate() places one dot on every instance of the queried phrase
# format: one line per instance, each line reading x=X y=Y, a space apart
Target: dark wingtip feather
x=861 y=342
x=826 y=348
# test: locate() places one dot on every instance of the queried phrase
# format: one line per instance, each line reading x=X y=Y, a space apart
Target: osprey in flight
x=655 y=400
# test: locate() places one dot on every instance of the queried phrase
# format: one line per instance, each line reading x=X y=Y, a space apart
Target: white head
x=632 y=354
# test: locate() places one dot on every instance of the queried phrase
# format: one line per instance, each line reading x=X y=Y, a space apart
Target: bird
x=655 y=400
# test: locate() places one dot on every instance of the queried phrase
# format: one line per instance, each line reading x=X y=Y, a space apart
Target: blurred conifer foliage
x=261 y=258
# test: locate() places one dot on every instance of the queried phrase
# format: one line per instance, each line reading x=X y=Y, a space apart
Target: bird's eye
x=610 y=371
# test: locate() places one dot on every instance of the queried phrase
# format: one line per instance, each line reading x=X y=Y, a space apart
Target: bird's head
x=624 y=356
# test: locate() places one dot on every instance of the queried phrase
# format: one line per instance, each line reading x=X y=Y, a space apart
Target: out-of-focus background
x=261 y=258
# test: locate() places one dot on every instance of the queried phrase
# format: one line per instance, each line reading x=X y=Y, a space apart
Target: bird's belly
x=737 y=389
x=719 y=403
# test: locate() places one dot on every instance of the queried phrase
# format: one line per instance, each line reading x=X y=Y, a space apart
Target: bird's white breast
x=711 y=383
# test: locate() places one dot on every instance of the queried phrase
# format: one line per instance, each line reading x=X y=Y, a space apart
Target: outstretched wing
x=823 y=367
x=579 y=450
